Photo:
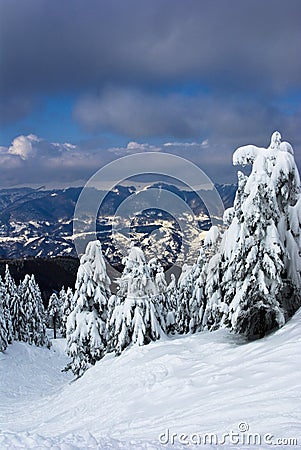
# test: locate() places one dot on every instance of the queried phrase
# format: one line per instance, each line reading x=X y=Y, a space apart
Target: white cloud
x=23 y=146
x=134 y=147
x=31 y=160
x=202 y=144
x=205 y=143
x=65 y=146
x=181 y=144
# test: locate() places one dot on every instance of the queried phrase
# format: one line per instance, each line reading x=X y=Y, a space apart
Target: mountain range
x=39 y=222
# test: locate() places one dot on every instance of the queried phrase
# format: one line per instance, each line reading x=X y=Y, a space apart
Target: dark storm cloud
x=220 y=117
x=149 y=70
x=77 y=45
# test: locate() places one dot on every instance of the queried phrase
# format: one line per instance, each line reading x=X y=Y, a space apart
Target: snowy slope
x=205 y=383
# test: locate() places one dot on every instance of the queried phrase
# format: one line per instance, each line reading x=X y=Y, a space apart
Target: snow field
x=202 y=383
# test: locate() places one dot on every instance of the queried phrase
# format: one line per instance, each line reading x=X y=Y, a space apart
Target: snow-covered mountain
x=196 y=384
x=39 y=222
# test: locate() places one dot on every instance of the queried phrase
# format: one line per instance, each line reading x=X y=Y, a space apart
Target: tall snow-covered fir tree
x=54 y=312
x=66 y=300
x=172 y=305
x=160 y=279
x=10 y=304
x=185 y=289
x=3 y=327
x=31 y=326
x=135 y=315
x=6 y=305
x=86 y=324
x=163 y=297
x=190 y=296
x=257 y=284
x=207 y=294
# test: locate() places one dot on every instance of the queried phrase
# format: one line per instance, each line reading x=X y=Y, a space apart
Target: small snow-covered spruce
x=160 y=279
x=3 y=328
x=172 y=305
x=213 y=308
x=190 y=296
x=10 y=304
x=54 y=311
x=163 y=298
x=291 y=291
x=6 y=306
x=32 y=318
x=260 y=284
x=134 y=313
x=201 y=274
x=66 y=300
x=86 y=324
x=185 y=290
x=208 y=287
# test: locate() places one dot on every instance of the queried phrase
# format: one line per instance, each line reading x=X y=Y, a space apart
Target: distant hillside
x=54 y=273
x=39 y=223
x=51 y=274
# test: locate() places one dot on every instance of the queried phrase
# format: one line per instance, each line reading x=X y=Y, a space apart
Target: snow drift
x=202 y=383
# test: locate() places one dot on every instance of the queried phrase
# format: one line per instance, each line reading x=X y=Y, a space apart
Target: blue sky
x=79 y=80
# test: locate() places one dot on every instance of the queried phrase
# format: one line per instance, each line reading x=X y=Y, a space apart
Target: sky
x=83 y=82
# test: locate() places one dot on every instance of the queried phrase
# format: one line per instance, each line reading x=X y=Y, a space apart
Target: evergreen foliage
x=31 y=323
x=66 y=300
x=135 y=315
x=11 y=305
x=54 y=311
x=254 y=279
x=86 y=324
x=3 y=327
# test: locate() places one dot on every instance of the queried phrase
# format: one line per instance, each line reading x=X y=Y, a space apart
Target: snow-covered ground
x=204 y=383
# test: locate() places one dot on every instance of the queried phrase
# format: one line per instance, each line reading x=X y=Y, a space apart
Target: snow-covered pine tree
x=207 y=293
x=172 y=305
x=198 y=300
x=12 y=304
x=134 y=313
x=291 y=291
x=66 y=300
x=190 y=296
x=6 y=305
x=3 y=328
x=86 y=324
x=160 y=279
x=31 y=314
x=153 y=268
x=214 y=309
x=259 y=252
x=54 y=312
x=165 y=304
x=185 y=290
